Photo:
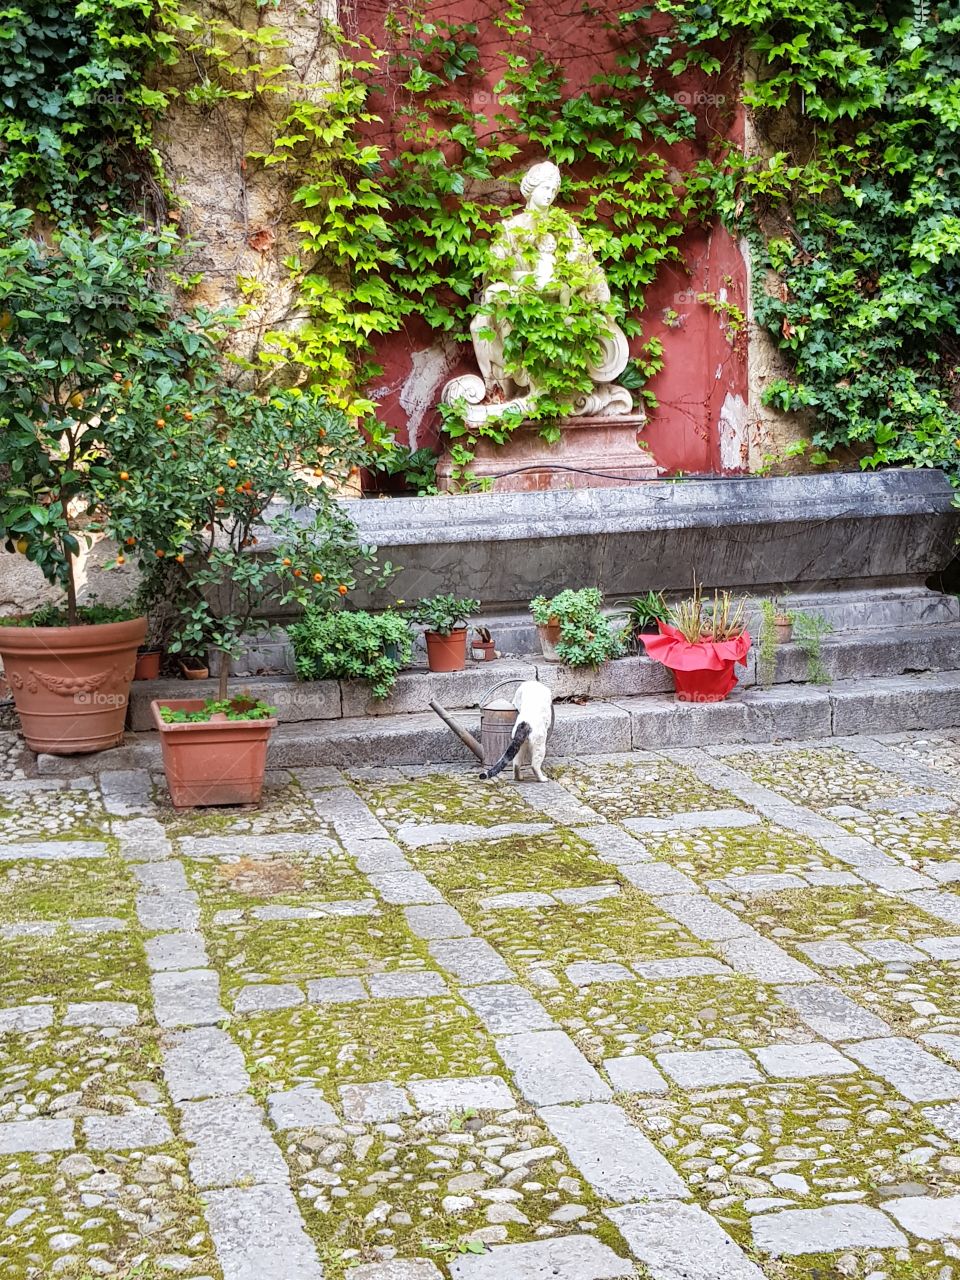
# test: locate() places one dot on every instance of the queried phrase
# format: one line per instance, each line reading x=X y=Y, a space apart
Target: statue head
x=540 y=184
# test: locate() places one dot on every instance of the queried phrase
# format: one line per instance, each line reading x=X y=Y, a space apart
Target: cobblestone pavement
x=692 y=1015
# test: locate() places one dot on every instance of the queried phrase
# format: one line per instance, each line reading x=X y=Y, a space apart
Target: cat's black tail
x=521 y=733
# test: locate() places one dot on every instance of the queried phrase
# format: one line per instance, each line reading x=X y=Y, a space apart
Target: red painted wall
x=703 y=371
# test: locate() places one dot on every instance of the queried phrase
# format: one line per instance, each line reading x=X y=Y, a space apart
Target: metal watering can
x=496 y=725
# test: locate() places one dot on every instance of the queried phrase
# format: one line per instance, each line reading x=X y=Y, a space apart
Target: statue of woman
x=539 y=254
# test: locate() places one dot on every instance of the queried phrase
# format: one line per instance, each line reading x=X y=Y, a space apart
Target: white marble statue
x=540 y=250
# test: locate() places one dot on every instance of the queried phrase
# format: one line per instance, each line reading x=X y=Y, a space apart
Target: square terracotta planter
x=217 y=761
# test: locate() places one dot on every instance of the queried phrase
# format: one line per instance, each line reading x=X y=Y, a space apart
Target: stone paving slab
x=203 y=1063
x=26 y=1017
x=301 y=1108
x=831 y=1014
x=570 y=1258
x=508 y=1009
x=259 y=1234
x=472 y=961
x=699 y=1068
x=134 y=1131
x=477 y=1093
x=187 y=998
x=834 y=1227
x=35 y=1135
x=802 y=1061
x=929 y=1217
x=230 y=1144
x=615 y=1157
x=677 y=1241
x=51 y=850
x=634 y=1074
x=549 y=1068
x=912 y=1071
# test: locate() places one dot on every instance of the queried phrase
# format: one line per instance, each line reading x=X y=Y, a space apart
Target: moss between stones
x=71 y=814
x=296 y=950
x=821 y=778
x=49 y=889
x=365 y=1041
x=365 y=1190
x=912 y=836
x=846 y=1139
x=924 y=999
x=627 y=927
x=724 y=851
x=555 y=860
x=73 y=966
x=284 y=807
x=612 y=1018
x=810 y=915
x=444 y=797
x=647 y=789
x=232 y=882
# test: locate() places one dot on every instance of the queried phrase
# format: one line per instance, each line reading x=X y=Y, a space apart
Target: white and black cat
x=528 y=745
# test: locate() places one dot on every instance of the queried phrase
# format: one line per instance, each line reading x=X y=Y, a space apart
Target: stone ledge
x=654 y=722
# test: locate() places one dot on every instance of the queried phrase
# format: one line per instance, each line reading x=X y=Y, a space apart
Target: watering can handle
x=490 y=692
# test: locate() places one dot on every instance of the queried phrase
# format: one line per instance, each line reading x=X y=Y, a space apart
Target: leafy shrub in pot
x=444 y=619
x=574 y=630
x=348 y=645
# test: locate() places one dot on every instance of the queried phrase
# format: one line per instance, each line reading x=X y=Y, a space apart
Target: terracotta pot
x=217 y=761
x=193 y=672
x=70 y=684
x=483 y=651
x=148 y=664
x=783 y=628
x=446 y=653
x=549 y=638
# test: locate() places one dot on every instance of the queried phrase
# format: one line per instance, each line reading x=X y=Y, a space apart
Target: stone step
x=879 y=704
x=847 y=656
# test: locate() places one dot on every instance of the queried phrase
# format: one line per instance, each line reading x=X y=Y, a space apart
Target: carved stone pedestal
x=592 y=453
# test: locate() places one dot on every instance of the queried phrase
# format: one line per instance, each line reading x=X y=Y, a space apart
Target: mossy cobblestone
x=424 y=1184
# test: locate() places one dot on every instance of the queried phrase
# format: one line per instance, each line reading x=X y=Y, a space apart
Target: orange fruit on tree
x=179 y=558
x=187 y=417
x=287 y=561
x=221 y=489
x=124 y=475
x=342 y=589
x=160 y=554
x=231 y=462
x=121 y=559
x=161 y=423
x=298 y=573
x=318 y=577
x=131 y=541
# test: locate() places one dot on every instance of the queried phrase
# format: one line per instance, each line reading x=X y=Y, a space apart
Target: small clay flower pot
x=148 y=664
x=783 y=627
x=446 y=653
x=482 y=651
x=193 y=669
x=549 y=639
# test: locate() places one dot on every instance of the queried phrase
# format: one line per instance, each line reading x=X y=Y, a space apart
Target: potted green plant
x=233 y=497
x=701 y=644
x=574 y=630
x=214 y=750
x=76 y=316
x=807 y=628
x=347 y=645
x=444 y=619
x=642 y=616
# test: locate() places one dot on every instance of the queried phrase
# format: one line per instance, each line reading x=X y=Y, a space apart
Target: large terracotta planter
x=702 y=672
x=217 y=761
x=446 y=653
x=70 y=684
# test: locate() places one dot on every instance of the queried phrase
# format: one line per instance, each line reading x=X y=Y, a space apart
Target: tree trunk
x=224 y=675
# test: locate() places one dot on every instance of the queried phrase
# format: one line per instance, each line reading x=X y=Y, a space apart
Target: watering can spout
x=463 y=734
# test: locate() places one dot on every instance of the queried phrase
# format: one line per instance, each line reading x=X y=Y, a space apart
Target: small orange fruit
x=318 y=577
x=317 y=471
x=342 y=589
x=221 y=489
x=322 y=432
x=188 y=417
x=124 y=475
x=287 y=561
x=180 y=558
x=161 y=423
x=131 y=542
x=121 y=559
x=298 y=573
x=231 y=462
x=239 y=488
x=161 y=554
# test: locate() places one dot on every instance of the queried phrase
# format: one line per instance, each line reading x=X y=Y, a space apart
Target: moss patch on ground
x=285 y=806
x=813 y=914
x=626 y=927
x=443 y=797
x=647 y=789
x=48 y=889
x=608 y=1019
x=924 y=999
x=913 y=837
x=137 y=1209
x=242 y=881
x=297 y=950
x=724 y=851
x=557 y=859
x=849 y=1138
x=365 y=1041
x=822 y=778
x=367 y=1191
x=73 y=966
